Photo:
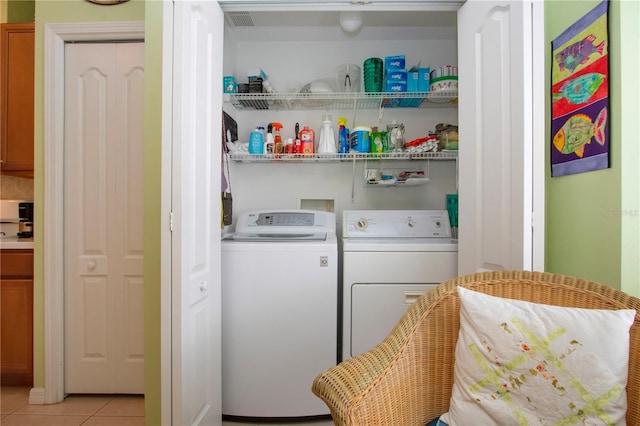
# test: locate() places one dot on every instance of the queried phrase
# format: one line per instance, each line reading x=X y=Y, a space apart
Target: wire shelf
x=360 y=100
x=352 y=156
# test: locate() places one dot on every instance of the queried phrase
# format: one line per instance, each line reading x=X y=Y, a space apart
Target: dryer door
x=376 y=308
x=378 y=287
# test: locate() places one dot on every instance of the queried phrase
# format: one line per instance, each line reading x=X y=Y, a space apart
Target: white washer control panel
x=285 y=222
x=396 y=224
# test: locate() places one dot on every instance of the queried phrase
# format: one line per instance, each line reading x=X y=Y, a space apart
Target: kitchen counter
x=16 y=243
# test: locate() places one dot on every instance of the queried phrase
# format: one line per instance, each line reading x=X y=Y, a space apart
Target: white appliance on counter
x=390 y=258
x=279 y=312
x=11 y=225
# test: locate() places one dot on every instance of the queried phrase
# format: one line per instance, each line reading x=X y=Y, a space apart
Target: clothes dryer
x=279 y=313
x=390 y=258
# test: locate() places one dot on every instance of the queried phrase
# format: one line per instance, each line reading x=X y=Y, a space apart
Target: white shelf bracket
x=380 y=109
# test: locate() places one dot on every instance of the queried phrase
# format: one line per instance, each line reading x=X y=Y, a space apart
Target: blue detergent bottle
x=256 y=142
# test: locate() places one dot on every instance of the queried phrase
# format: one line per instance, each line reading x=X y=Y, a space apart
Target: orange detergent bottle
x=306 y=140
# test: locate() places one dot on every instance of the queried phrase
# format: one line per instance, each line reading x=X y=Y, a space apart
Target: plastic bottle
x=307 y=137
x=289 y=146
x=327 y=143
x=278 y=147
x=256 y=142
x=343 y=135
x=266 y=84
x=396 y=135
x=268 y=144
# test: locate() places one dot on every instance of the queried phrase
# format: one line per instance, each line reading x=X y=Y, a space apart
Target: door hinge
x=171 y=222
x=533 y=220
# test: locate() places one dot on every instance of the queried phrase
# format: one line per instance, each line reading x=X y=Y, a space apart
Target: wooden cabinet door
x=16 y=98
x=16 y=334
x=16 y=317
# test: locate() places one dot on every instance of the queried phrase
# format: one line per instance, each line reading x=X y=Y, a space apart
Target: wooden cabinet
x=16 y=321
x=16 y=99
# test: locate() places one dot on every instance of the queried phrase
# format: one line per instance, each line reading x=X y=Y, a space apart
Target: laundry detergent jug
x=327 y=143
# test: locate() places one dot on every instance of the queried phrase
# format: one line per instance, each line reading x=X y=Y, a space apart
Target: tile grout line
x=86 y=416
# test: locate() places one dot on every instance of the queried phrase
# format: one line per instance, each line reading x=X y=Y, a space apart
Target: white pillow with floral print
x=522 y=363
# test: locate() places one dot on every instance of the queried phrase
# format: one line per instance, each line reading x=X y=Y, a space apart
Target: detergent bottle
x=307 y=137
x=256 y=142
x=327 y=143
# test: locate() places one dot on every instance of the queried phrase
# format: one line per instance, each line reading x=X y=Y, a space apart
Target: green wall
x=583 y=231
x=50 y=11
x=20 y=11
x=152 y=218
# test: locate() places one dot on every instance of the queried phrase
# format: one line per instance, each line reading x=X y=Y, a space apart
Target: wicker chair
x=407 y=379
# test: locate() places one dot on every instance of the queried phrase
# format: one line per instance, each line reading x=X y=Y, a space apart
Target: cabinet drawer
x=16 y=263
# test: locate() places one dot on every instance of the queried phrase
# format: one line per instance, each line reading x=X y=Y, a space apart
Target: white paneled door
x=499 y=117
x=103 y=157
x=195 y=199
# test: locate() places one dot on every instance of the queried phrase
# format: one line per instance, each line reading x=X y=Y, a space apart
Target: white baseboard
x=36 y=396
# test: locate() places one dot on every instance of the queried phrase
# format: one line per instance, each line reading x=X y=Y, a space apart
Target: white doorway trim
x=55 y=37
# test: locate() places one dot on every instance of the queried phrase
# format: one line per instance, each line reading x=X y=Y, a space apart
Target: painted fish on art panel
x=578 y=53
x=578 y=131
x=580 y=89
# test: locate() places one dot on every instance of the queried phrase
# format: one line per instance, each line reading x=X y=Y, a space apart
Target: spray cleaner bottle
x=278 y=147
x=343 y=135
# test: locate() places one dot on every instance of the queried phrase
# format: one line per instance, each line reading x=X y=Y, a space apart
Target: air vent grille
x=241 y=19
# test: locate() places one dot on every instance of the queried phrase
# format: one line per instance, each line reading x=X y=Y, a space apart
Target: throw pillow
x=523 y=363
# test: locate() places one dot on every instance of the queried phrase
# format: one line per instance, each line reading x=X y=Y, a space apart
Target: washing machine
x=279 y=313
x=390 y=258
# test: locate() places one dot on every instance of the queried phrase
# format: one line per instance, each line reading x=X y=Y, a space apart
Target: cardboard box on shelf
x=424 y=79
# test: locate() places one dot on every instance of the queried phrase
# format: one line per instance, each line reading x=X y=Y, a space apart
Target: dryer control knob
x=361 y=224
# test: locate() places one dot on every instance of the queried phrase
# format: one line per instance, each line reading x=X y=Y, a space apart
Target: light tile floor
x=87 y=410
x=75 y=410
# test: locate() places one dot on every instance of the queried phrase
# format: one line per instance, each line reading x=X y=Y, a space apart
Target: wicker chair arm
x=387 y=385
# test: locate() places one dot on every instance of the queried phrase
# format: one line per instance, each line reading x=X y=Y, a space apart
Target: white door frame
x=55 y=37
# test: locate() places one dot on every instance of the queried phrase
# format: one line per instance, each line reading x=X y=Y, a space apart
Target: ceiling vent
x=240 y=19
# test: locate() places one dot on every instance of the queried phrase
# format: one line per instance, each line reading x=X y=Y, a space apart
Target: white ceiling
x=376 y=19
x=325 y=25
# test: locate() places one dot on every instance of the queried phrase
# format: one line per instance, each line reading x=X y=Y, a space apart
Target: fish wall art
x=578 y=131
x=580 y=95
x=578 y=53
